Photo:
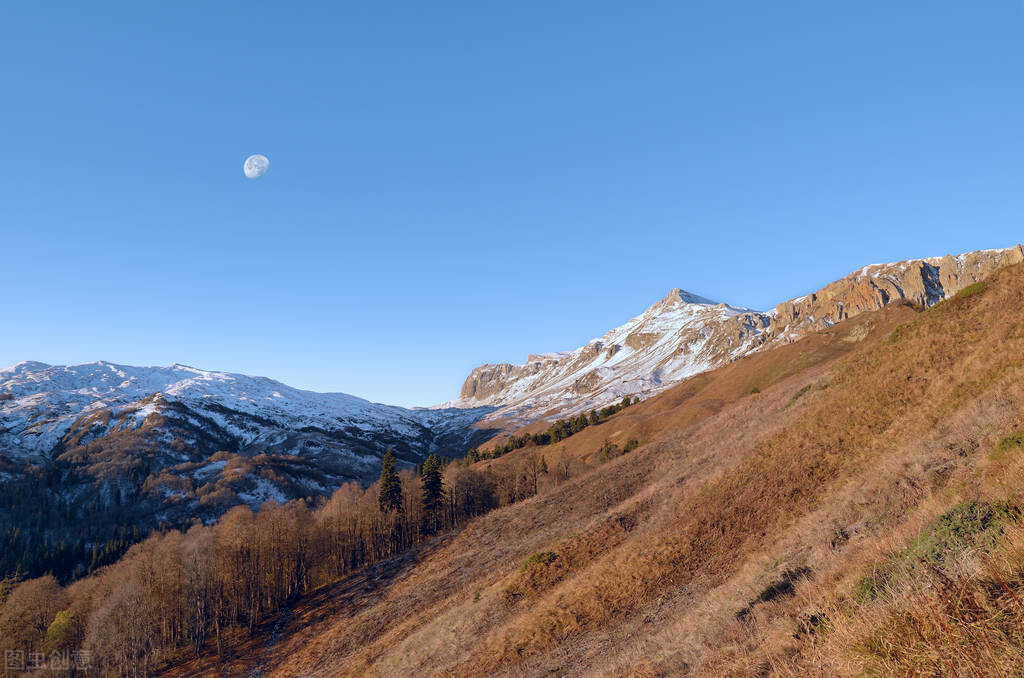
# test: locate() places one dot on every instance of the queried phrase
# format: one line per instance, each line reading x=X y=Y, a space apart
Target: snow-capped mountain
x=44 y=402
x=683 y=335
x=183 y=441
x=677 y=337
x=186 y=433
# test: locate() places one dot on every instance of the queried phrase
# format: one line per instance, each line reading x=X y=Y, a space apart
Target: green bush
x=797 y=395
x=870 y=586
x=540 y=558
x=631 y=445
x=895 y=335
x=1010 y=442
x=754 y=390
x=971 y=290
x=968 y=525
x=608 y=451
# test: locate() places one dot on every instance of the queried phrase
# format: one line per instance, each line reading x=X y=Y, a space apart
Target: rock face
x=683 y=335
x=922 y=282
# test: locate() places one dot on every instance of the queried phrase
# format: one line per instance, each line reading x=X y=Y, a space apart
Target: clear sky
x=457 y=183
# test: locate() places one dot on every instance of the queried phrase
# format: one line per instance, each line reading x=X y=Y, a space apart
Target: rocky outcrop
x=488 y=381
x=921 y=282
x=683 y=335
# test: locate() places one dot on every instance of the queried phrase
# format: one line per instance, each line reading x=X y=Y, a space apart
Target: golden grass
x=679 y=557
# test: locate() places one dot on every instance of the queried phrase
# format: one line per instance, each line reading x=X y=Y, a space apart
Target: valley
x=734 y=492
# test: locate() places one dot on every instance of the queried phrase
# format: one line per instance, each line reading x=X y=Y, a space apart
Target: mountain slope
x=43 y=404
x=683 y=335
x=732 y=540
x=101 y=453
x=677 y=337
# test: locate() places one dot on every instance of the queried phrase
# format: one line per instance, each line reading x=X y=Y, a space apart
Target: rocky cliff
x=921 y=282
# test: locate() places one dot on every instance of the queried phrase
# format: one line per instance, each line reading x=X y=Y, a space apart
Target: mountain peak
x=24 y=367
x=681 y=296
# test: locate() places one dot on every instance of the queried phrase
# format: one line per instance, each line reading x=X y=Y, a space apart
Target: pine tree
x=433 y=488
x=390 y=497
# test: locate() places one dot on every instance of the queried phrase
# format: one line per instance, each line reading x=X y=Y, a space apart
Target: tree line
x=45 y=532
x=556 y=432
x=195 y=590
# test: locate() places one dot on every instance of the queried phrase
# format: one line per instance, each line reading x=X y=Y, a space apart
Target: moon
x=256 y=166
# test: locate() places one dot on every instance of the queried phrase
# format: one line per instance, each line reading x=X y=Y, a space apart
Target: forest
x=182 y=592
x=556 y=432
x=45 y=531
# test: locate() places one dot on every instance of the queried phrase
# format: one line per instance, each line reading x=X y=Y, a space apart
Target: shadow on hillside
x=783 y=587
x=256 y=655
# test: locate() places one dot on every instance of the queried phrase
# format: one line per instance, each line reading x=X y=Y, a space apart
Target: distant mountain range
x=183 y=442
x=179 y=442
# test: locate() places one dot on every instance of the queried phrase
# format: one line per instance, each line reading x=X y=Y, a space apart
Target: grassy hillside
x=847 y=504
x=740 y=534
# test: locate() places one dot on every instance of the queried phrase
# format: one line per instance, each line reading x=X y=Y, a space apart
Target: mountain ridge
x=42 y=402
x=128 y=449
x=707 y=335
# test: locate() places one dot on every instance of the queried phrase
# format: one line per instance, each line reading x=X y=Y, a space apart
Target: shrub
x=608 y=451
x=1010 y=442
x=797 y=395
x=971 y=290
x=870 y=586
x=968 y=525
x=631 y=445
x=540 y=558
x=896 y=334
x=754 y=390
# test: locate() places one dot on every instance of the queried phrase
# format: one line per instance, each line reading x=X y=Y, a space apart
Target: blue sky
x=457 y=183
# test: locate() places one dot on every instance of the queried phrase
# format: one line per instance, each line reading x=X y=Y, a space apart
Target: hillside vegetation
x=736 y=538
x=846 y=504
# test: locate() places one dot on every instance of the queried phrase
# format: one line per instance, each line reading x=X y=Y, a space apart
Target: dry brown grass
x=729 y=542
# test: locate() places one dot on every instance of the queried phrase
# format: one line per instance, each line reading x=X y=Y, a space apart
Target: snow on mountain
x=683 y=335
x=677 y=337
x=171 y=444
x=43 y=402
x=193 y=441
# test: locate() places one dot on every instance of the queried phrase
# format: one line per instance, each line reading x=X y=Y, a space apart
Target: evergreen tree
x=390 y=497
x=433 y=488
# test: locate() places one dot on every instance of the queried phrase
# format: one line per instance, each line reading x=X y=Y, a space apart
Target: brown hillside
x=735 y=538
